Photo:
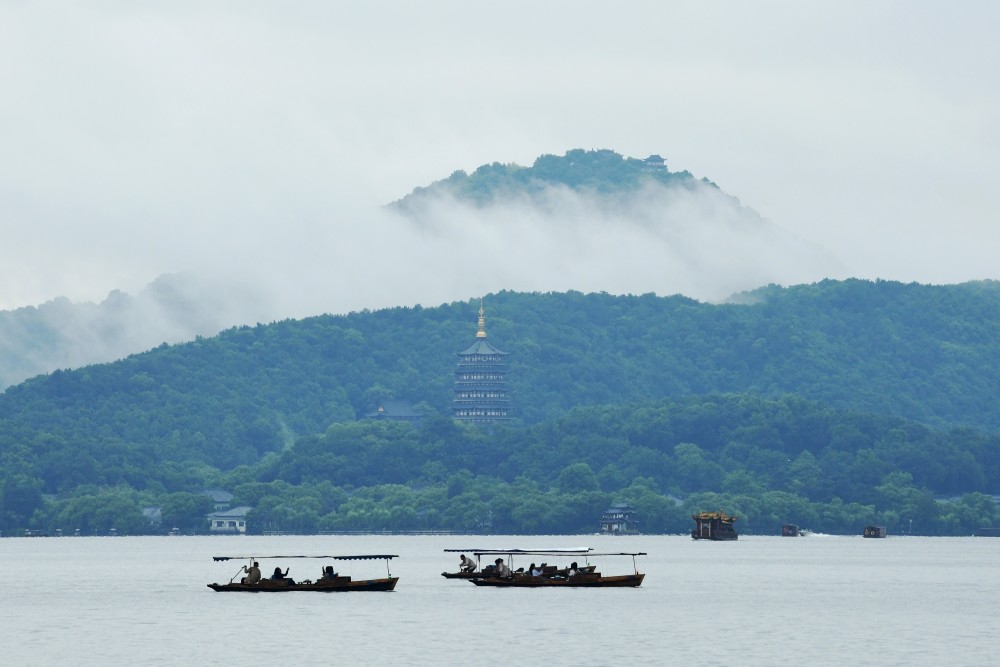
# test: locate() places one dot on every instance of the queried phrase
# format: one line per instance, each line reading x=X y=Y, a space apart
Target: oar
x=238 y=572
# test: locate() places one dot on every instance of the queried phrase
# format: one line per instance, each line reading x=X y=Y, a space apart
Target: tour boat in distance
x=329 y=581
x=571 y=575
x=716 y=526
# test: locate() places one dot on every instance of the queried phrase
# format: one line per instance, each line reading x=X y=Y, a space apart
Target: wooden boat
x=336 y=583
x=478 y=573
x=463 y=575
x=585 y=576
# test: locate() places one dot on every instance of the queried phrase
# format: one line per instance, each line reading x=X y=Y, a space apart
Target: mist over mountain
x=589 y=220
x=615 y=224
x=61 y=334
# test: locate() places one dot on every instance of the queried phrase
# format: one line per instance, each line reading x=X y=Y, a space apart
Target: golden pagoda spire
x=482 y=322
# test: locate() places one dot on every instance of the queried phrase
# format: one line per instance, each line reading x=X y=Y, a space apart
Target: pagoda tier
x=481 y=393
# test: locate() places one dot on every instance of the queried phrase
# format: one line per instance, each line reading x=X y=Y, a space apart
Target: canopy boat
x=585 y=575
x=480 y=573
x=329 y=582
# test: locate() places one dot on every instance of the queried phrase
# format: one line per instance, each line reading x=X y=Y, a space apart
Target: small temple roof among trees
x=655 y=162
x=395 y=409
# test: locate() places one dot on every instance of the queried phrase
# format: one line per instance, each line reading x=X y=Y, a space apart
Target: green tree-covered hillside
x=245 y=407
x=602 y=171
x=927 y=353
x=769 y=461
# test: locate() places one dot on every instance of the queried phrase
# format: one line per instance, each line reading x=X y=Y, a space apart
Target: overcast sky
x=258 y=140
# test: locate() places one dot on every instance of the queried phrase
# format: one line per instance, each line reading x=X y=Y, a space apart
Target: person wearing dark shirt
x=282 y=576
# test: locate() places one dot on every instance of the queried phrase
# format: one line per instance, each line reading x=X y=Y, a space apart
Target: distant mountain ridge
x=928 y=353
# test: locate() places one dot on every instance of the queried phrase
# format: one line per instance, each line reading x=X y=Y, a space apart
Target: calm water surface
x=758 y=602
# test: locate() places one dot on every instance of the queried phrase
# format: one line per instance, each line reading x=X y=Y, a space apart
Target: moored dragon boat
x=502 y=574
x=329 y=581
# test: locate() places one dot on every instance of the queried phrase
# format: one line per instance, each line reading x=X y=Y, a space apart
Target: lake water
x=761 y=601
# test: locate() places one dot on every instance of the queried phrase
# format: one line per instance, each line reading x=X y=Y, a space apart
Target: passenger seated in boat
x=502 y=570
x=282 y=576
x=253 y=574
x=572 y=571
x=466 y=564
x=328 y=573
x=535 y=570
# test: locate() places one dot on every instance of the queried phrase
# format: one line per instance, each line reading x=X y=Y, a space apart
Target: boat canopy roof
x=553 y=552
x=621 y=553
x=542 y=552
x=358 y=557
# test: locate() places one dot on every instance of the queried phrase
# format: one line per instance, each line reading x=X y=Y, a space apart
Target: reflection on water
x=761 y=601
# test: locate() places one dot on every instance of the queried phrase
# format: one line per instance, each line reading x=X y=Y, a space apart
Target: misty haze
x=690 y=239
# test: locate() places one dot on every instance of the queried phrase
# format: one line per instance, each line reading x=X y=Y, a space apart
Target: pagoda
x=481 y=394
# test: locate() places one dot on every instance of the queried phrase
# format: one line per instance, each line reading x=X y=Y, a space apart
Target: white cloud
x=258 y=140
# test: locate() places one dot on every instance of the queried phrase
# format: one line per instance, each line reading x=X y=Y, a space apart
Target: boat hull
x=341 y=584
x=463 y=575
x=592 y=581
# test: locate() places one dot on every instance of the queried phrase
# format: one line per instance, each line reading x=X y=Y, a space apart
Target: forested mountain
x=768 y=461
x=872 y=393
x=603 y=171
